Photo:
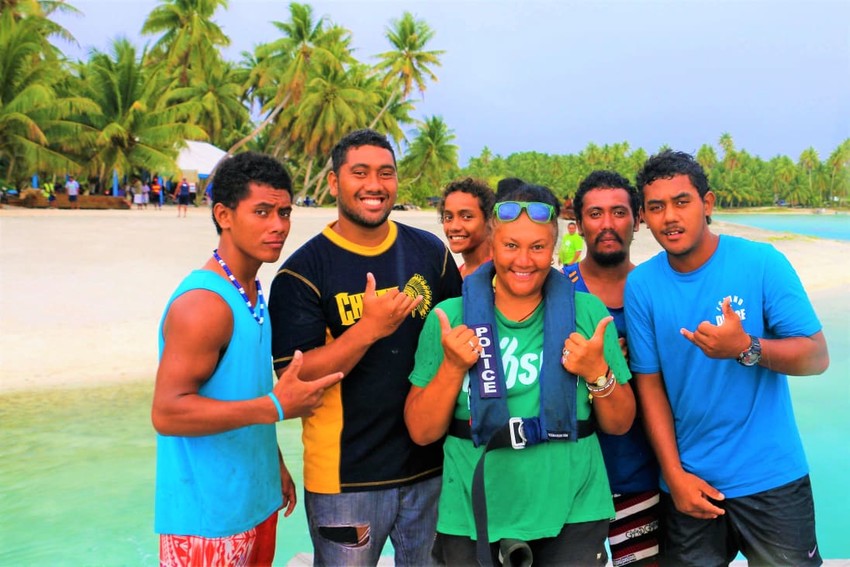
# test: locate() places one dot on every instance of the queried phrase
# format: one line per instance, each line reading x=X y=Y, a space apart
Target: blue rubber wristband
x=278 y=406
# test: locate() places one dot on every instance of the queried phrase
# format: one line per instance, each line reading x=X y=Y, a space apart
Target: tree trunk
x=317 y=180
x=257 y=130
x=324 y=193
x=307 y=176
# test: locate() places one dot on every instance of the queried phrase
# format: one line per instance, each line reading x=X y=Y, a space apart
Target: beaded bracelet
x=596 y=389
x=606 y=394
x=278 y=406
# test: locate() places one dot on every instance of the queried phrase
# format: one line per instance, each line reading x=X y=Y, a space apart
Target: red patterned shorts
x=254 y=547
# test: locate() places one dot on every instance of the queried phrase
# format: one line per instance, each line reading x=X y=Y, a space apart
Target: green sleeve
x=429 y=352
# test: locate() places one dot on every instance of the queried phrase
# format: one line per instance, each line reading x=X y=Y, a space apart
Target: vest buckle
x=518 y=440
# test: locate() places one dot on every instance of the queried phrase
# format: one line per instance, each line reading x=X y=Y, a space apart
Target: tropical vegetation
x=127 y=112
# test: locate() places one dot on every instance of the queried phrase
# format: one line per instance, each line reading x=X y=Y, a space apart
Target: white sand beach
x=82 y=292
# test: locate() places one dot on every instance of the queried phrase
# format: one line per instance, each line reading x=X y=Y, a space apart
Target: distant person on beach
x=354 y=298
x=181 y=195
x=49 y=191
x=138 y=194
x=72 y=188
x=607 y=209
x=715 y=323
x=465 y=211
x=220 y=477
x=520 y=373
x=156 y=191
x=571 y=247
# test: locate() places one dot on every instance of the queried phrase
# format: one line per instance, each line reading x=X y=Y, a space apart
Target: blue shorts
x=72 y=198
x=774 y=527
x=182 y=199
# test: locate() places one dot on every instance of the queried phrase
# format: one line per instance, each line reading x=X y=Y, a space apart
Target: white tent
x=198 y=159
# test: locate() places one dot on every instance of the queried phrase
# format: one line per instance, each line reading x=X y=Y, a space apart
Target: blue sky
x=553 y=76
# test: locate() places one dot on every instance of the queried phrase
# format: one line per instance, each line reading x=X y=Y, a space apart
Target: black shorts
x=774 y=527
x=582 y=543
x=182 y=199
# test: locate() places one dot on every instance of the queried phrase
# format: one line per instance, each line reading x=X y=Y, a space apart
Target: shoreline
x=82 y=292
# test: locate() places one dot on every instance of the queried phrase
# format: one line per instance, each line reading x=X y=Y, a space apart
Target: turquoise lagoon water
x=77 y=466
x=827 y=225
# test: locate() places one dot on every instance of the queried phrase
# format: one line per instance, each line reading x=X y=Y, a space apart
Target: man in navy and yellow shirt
x=354 y=298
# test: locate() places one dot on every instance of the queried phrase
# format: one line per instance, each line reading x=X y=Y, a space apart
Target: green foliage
x=430 y=161
x=738 y=179
x=131 y=111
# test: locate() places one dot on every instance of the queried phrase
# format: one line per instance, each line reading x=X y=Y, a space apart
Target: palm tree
x=284 y=66
x=408 y=63
x=132 y=134
x=808 y=162
x=707 y=157
x=729 y=155
x=839 y=169
x=190 y=41
x=785 y=171
x=332 y=103
x=34 y=117
x=430 y=160
x=213 y=101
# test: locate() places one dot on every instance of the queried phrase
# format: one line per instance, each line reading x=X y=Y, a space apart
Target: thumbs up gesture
x=727 y=340
x=460 y=345
x=584 y=357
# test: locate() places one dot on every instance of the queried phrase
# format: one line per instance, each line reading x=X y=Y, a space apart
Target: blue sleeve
x=788 y=311
x=643 y=350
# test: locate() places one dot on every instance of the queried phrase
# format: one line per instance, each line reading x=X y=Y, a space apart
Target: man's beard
x=609 y=259
x=359 y=220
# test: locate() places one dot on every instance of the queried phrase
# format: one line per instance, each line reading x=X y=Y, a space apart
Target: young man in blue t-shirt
x=715 y=324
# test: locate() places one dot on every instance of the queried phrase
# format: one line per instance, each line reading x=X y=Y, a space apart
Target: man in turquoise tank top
x=220 y=477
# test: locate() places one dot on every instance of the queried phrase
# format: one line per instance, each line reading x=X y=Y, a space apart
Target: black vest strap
x=461 y=428
x=508 y=436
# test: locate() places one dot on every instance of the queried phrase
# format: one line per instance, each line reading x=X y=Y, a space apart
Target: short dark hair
x=475 y=187
x=534 y=193
x=669 y=164
x=356 y=139
x=602 y=179
x=507 y=184
x=230 y=184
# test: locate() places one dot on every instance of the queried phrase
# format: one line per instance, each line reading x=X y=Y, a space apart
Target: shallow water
x=827 y=225
x=77 y=466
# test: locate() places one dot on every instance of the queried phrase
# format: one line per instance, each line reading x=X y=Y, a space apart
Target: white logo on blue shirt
x=737 y=304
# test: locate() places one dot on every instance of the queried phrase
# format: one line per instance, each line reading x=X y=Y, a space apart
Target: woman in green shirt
x=552 y=496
